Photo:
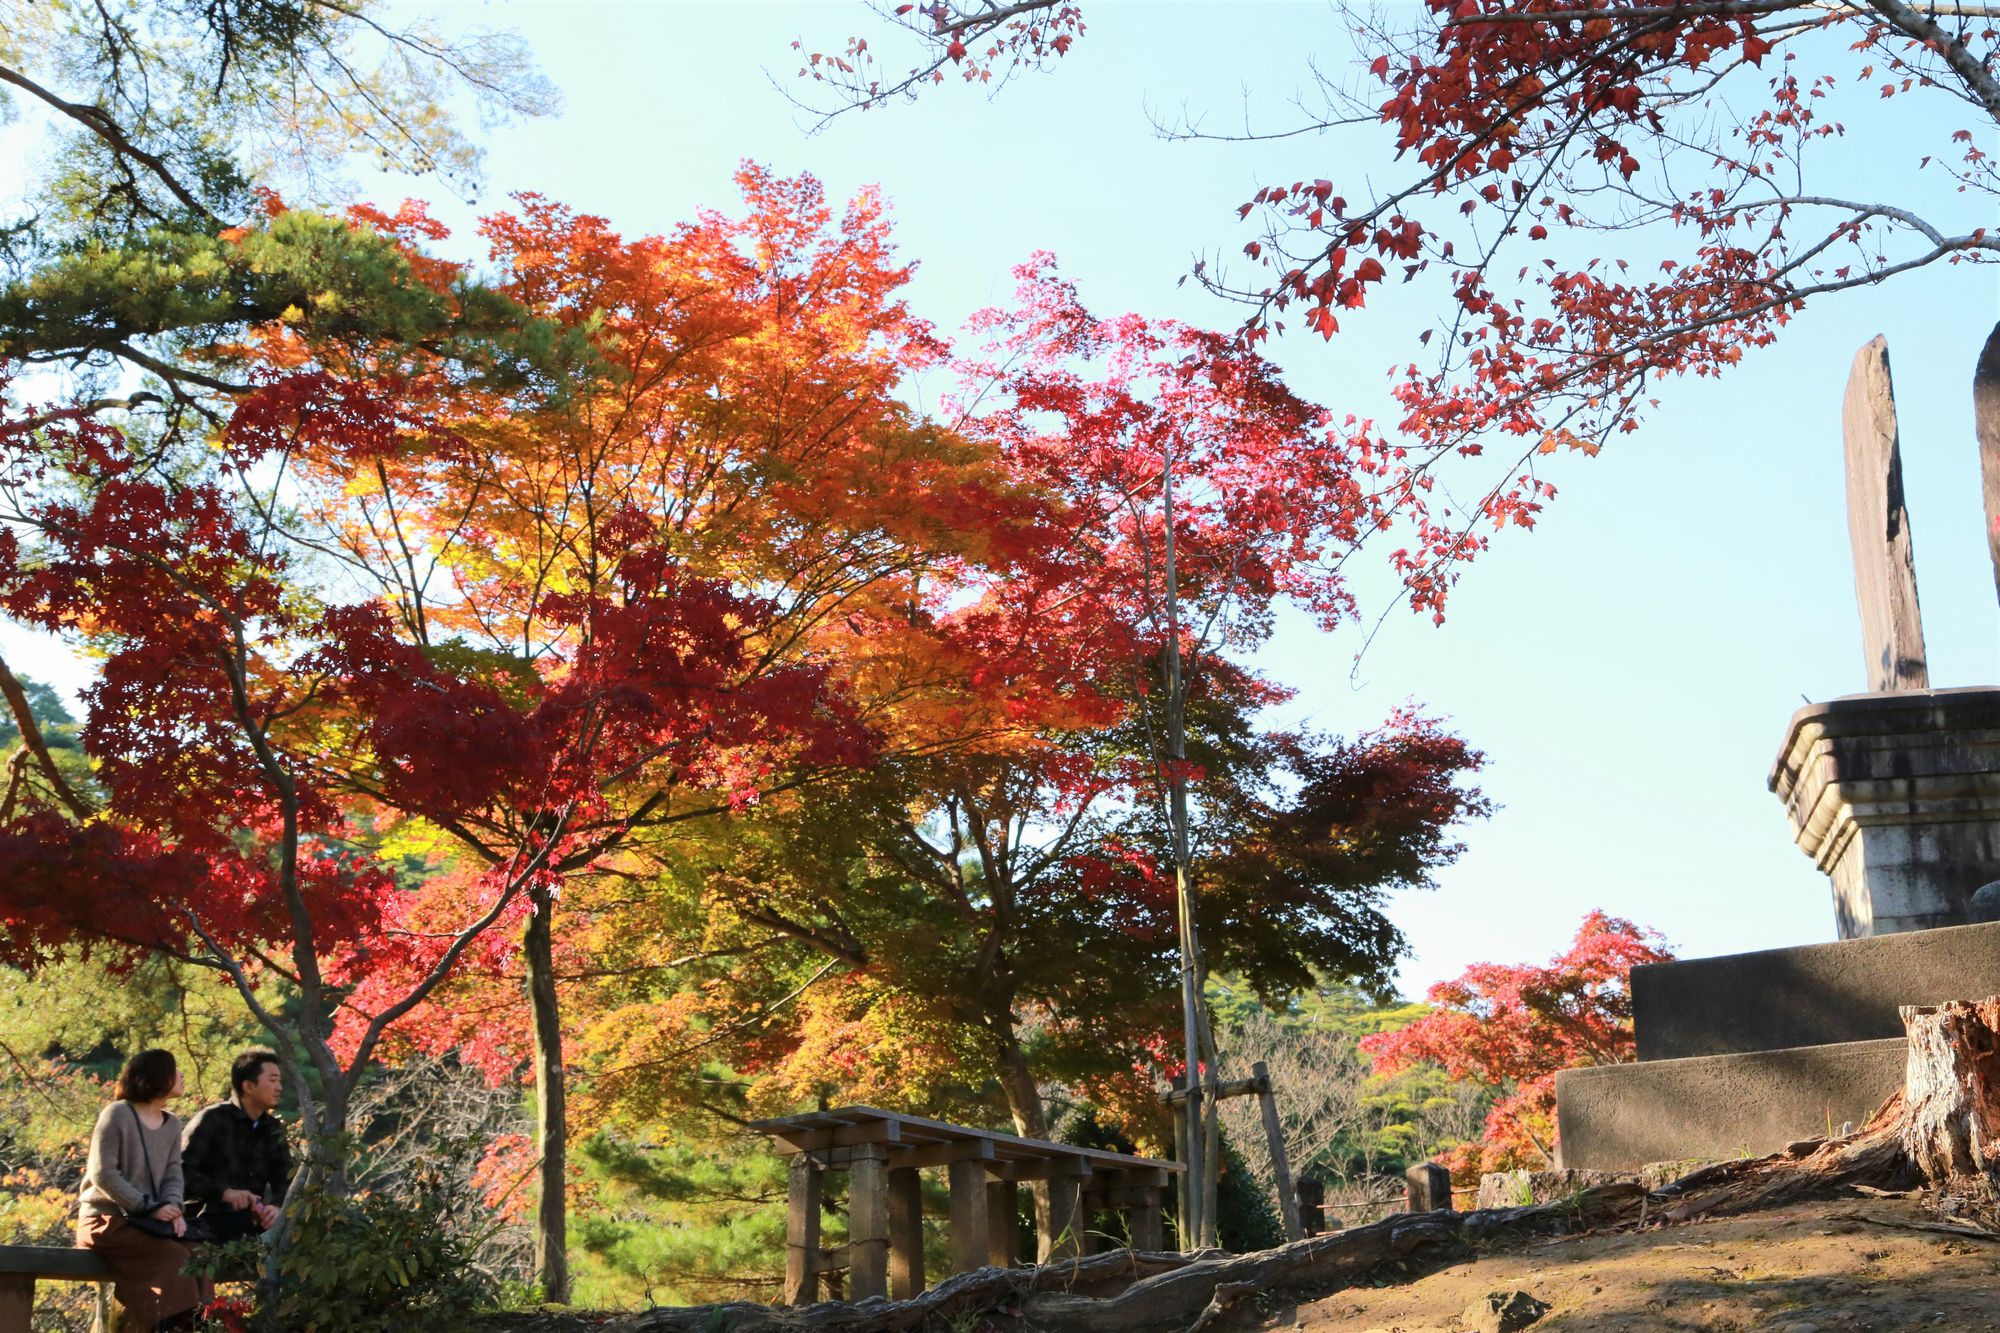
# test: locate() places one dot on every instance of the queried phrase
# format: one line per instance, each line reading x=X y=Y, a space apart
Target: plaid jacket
x=224 y=1149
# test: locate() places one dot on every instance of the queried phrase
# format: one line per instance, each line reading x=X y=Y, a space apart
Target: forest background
x=1603 y=601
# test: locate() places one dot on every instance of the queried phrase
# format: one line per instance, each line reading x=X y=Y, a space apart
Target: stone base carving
x=1896 y=797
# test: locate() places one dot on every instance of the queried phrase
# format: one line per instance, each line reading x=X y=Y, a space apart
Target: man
x=234 y=1155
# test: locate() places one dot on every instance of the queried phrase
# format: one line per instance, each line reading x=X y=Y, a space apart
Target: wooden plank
x=840 y=1136
x=911 y=1127
x=868 y=1223
x=51 y=1261
x=906 y=1234
x=969 y=1241
x=1003 y=1211
x=1878 y=525
x=942 y=1154
x=1047 y=1169
x=1281 y=1162
x=802 y=1201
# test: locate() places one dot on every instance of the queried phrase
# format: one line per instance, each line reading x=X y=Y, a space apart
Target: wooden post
x=17 y=1303
x=100 y=1318
x=867 y=1222
x=1003 y=1213
x=1428 y=1188
x=1062 y=1237
x=1183 y=1183
x=1312 y=1205
x=1142 y=1219
x=906 y=1234
x=969 y=1239
x=802 y=1195
x=1281 y=1162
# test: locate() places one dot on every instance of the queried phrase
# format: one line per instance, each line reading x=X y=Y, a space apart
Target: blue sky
x=1629 y=667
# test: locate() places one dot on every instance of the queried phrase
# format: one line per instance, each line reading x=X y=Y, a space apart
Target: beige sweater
x=115 y=1182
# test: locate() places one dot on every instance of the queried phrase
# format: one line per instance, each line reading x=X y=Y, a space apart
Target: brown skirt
x=145 y=1270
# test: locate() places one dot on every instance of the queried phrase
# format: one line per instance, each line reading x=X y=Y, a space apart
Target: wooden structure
x=21 y=1266
x=882 y=1153
x=1258 y=1085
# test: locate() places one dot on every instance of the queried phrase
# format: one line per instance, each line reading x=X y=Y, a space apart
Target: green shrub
x=384 y=1260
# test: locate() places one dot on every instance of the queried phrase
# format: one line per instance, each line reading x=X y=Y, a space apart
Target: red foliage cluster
x=1514 y=1027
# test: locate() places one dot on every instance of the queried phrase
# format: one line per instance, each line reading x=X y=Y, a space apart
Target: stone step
x=1813 y=995
x=1621 y=1117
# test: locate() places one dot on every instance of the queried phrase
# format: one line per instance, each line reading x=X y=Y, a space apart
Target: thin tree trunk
x=551 y=1112
x=1986 y=425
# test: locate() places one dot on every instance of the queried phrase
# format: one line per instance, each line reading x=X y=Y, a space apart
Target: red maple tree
x=1680 y=148
x=1514 y=1027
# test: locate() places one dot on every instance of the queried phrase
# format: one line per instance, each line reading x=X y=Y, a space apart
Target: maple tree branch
x=1923 y=26
x=173 y=373
x=90 y=408
x=32 y=740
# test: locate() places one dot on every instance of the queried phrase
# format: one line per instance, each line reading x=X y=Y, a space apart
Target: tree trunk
x=551 y=1114
x=1951 y=1091
x=1024 y=1100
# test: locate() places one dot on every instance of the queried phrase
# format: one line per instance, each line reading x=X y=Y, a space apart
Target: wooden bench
x=882 y=1152
x=21 y=1266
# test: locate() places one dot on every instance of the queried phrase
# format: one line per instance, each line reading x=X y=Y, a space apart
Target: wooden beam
x=802 y=1200
x=842 y=1136
x=943 y=1154
x=906 y=1234
x=868 y=1222
x=1046 y=1169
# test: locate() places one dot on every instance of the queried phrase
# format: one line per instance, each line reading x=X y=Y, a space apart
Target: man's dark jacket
x=224 y=1149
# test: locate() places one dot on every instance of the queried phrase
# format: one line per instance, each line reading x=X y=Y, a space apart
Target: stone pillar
x=969 y=1247
x=1143 y=1219
x=868 y=1222
x=1896 y=797
x=1427 y=1188
x=1003 y=1211
x=802 y=1196
x=1062 y=1236
x=906 y=1234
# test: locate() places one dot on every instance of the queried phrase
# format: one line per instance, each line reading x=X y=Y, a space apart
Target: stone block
x=1519 y=1189
x=1896 y=797
x=1621 y=1117
x=1813 y=995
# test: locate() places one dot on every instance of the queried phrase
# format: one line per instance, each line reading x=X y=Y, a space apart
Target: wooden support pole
x=868 y=1223
x=1062 y=1236
x=969 y=1240
x=802 y=1196
x=1281 y=1162
x=1142 y=1220
x=1003 y=1214
x=906 y=1234
x=1428 y=1188
x=1184 y=1183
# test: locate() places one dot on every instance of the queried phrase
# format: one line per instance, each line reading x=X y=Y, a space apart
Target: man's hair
x=147 y=1076
x=248 y=1068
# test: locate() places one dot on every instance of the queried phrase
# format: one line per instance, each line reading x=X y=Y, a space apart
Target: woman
x=132 y=1190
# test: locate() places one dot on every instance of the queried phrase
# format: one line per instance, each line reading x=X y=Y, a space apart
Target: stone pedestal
x=1896 y=797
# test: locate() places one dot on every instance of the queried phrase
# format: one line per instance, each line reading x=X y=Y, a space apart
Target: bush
x=383 y=1260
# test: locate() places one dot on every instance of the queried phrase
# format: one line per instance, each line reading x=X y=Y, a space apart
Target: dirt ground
x=1817 y=1268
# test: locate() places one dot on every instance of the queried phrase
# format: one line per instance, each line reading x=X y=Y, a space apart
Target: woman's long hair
x=147 y=1076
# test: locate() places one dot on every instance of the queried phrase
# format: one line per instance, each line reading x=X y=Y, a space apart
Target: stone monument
x=1895 y=794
